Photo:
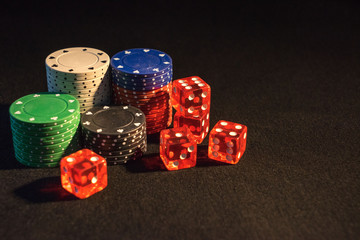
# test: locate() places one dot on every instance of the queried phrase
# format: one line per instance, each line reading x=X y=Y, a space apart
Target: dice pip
x=178 y=148
x=83 y=173
x=227 y=142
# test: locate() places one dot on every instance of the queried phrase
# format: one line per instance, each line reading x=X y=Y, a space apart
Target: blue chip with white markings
x=141 y=62
x=121 y=77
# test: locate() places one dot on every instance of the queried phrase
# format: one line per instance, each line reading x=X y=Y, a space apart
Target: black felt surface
x=288 y=70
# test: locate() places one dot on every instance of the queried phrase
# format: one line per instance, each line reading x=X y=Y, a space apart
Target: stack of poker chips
x=81 y=72
x=117 y=133
x=142 y=78
x=44 y=128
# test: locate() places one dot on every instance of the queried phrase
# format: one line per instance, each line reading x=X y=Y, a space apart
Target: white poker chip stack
x=82 y=72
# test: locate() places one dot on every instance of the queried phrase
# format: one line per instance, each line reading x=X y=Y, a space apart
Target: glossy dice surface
x=177 y=148
x=198 y=125
x=83 y=173
x=227 y=142
x=191 y=96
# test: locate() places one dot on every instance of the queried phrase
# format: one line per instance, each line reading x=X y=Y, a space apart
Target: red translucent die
x=83 y=173
x=227 y=142
x=198 y=124
x=178 y=148
x=191 y=96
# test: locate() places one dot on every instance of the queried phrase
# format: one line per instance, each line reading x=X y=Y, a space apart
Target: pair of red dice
x=191 y=99
x=178 y=146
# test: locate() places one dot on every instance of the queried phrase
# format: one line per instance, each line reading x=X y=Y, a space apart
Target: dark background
x=289 y=70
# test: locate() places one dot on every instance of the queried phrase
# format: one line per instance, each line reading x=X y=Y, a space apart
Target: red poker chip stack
x=155 y=104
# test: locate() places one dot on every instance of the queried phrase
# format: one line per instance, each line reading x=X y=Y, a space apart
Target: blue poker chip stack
x=142 y=78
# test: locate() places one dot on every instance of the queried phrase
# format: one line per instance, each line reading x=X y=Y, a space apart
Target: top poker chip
x=45 y=108
x=113 y=120
x=78 y=61
x=141 y=62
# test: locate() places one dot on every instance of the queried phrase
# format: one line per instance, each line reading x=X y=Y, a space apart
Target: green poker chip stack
x=45 y=128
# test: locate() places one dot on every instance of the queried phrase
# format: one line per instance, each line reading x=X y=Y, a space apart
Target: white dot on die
x=194 y=78
x=232 y=133
x=94 y=179
x=184 y=84
x=201 y=84
x=191 y=110
x=191 y=97
x=218 y=129
x=244 y=135
x=203 y=123
x=204 y=107
x=191 y=148
x=183 y=156
x=238 y=156
x=178 y=134
x=197 y=82
x=238 y=127
x=216 y=141
x=224 y=123
x=204 y=94
x=70 y=159
x=175 y=163
x=94 y=159
x=188 y=87
x=181 y=81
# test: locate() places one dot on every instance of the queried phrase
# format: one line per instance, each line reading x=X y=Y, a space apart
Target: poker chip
x=140 y=62
x=144 y=84
x=44 y=128
x=142 y=78
x=115 y=160
x=137 y=99
x=114 y=132
x=38 y=130
x=112 y=148
x=155 y=92
x=81 y=72
x=137 y=80
x=101 y=139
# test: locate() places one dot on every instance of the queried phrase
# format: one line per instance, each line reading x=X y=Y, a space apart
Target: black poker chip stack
x=118 y=133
